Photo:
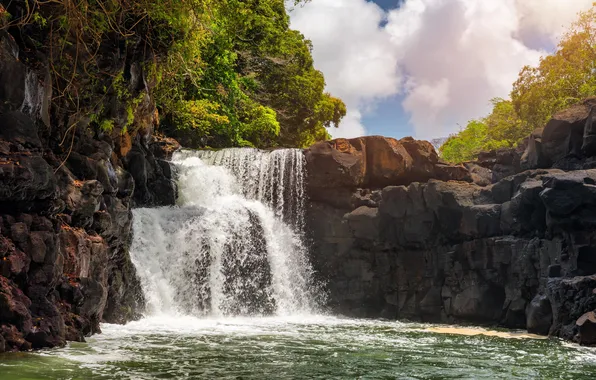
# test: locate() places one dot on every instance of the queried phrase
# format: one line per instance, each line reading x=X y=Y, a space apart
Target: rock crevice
x=65 y=213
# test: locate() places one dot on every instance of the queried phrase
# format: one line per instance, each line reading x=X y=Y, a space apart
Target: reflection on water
x=301 y=348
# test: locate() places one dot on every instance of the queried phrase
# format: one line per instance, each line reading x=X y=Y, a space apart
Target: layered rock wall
x=493 y=245
x=65 y=209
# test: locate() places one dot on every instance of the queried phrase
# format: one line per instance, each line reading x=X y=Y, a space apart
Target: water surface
x=300 y=348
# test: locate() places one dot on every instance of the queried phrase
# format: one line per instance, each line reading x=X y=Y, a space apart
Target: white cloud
x=352 y=50
x=447 y=58
x=351 y=126
x=547 y=19
x=477 y=47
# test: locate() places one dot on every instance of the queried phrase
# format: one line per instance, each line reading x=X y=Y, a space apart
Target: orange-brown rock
x=376 y=162
x=164 y=147
x=587 y=328
x=124 y=144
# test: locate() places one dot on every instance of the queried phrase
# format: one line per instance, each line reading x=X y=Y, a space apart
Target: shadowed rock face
x=65 y=217
x=517 y=249
x=567 y=142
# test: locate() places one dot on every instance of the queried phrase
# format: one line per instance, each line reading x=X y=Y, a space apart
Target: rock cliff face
x=65 y=211
x=509 y=240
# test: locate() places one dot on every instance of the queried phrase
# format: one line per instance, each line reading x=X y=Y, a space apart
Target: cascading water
x=33 y=101
x=233 y=245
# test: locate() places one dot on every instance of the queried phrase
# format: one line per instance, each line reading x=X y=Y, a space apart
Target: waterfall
x=33 y=100
x=233 y=245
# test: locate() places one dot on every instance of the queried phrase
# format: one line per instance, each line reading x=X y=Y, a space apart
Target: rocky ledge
x=65 y=211
x=508 y=240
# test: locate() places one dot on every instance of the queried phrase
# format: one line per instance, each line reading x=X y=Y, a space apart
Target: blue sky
x=424 y=68
x=388 y=118
x=387 y=4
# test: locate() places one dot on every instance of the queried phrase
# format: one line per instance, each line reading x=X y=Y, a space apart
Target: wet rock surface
x=65 y=216
x=514 y=245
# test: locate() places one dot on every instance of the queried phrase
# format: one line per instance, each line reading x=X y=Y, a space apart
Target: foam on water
x=302 y=347
x=230 y=295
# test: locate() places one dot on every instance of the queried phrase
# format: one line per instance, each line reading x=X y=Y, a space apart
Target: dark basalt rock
x=154 y=178
x=516 y=250
x=12 y=74
x=539 y=315
x=534 y=156
x=20 y=130
x=587 y=328
x=65 y=209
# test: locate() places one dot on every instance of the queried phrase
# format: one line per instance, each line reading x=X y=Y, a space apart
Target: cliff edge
x=508 y=240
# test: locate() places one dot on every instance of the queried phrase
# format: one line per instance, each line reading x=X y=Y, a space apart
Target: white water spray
x=233 y=245
x=33 y=100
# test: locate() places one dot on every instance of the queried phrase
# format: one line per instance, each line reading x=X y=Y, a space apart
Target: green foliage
x=257 y=71
x=504 y=127
x=106 y=125
x=39 y=19
x=222 y=72
x=466 y=144
x=501 y=129
x=560 y=80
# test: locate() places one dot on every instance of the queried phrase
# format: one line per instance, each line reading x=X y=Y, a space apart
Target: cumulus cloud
x=546 y=20
x=458 y=54
x=446 y=58
x=356 y=55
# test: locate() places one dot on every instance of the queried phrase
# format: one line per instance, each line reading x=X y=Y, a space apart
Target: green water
x=298 y=348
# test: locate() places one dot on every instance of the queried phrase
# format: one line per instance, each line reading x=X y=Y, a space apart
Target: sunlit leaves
x=561 y=79
x=245 y=59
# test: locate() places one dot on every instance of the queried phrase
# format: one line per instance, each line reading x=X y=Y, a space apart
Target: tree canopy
x=225 y=72
x=253 y=84
x=560 y=80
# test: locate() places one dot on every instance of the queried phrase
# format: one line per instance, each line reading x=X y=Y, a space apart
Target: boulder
x=539 y=315
x=502 y=162
x=534 y=156
x=587 y=329
x=164 y=147
x=376 y=162
x=335 y=163
x=446 y=172
x=563 y=135
x=37 y=246
x=26 y=178
x=479 y=175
